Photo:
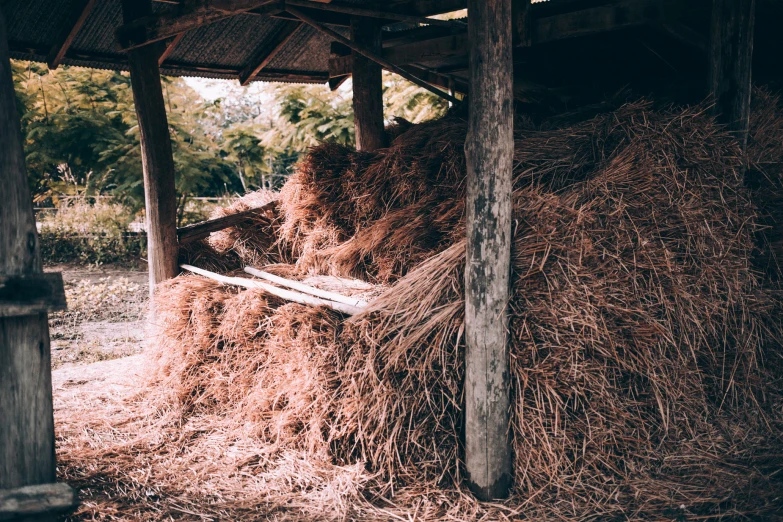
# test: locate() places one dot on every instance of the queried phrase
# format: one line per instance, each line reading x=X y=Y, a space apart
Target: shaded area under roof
x=236 y=44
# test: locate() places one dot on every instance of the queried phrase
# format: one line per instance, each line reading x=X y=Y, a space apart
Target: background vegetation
x=81 y=133
x=83 y=155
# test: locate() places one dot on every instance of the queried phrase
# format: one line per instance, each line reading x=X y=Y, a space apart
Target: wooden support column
x=489 y=150
x=367 y=86
x=156 y=155
x=730 y=59
x=26 y=420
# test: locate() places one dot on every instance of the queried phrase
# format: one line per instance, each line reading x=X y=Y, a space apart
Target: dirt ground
x=105 y=317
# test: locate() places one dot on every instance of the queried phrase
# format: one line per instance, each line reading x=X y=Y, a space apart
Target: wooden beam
x=26 y=420
x=624 y=15
x=730 y=59
x=31 y=294
x=522 y=23
x=28 y=502
x=367 y=87
x=336 y=83
x=684 y=34
x=374 y=13
x=191 y=233
x=265 y=55
x=489 y=155
x=285 y=75
x=424 y=7
x=441 y=80
x=156 y=154
x=76 y=20
x=369 y=54
x=153 y=28
x=170 y=48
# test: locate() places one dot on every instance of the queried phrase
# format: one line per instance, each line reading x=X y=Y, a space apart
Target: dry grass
x=645 y=361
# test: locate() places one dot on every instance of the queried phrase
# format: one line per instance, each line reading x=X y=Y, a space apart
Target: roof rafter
x=78 y=16
x=170 y=48
x=265 y=55
x=623 y=15
x=383 y=14
x=369 y=54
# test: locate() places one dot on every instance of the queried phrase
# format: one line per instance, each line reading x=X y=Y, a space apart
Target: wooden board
x=31 y=294
x=36 y=500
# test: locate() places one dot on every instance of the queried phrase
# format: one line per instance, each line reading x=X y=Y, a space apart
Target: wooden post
x=26 y=420
x=489 y=150
x=731 y=55
x=522 y=23
x=156 y=156
x=367 y=87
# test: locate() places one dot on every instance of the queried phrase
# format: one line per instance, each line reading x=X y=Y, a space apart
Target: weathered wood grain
x=730 y=59
x=489 y=150
x=367 y=87
x=26 y=419
x=31 y=294
x=156 y=155
x=32 y=501
x=196 y=231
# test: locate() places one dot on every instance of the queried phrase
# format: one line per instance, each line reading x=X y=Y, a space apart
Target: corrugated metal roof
x=218 y=50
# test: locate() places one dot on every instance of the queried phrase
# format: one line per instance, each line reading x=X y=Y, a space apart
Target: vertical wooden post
x=156 y=156
x=731 y=56
x=521 y=24
x=489 y=150
x=367 y=87
x=26 y=420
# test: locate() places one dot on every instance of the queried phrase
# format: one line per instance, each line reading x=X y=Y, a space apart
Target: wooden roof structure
x=571 y=42
x=509 y=49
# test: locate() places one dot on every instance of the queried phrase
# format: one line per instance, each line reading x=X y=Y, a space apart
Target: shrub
x=92 y=234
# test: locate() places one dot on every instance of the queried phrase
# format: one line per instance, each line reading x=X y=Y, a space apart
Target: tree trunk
x=367 y=87
x=489 y=150
x=26 y=420
x=731 y=56
x=156 y=156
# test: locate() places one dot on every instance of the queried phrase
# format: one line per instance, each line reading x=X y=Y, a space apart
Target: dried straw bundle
x=647 y=379
x=254 y=242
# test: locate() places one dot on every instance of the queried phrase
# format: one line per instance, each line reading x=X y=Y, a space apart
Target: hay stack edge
x=645 y=337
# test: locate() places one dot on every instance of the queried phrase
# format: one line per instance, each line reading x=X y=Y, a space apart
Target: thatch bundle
x=645 y=362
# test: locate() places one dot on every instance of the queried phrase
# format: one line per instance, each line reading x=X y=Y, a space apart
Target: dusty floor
x=105 y=316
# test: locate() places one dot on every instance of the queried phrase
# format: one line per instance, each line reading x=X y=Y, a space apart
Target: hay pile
x=645 y=362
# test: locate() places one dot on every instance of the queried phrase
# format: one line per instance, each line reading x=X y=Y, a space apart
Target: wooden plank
x=77 y=18
x=196 y=231
x=153 y=28
x=374 y=13
x=41 y=499
x=369 y=54
x=288 y=295
x=170 y=48
x=730 y=60
x=424 y=7
x=367 y=87
x=265 y=55
x=31 y=294
x=26 y=420
x=156 y=154
x=489 y=151
x=623 y=15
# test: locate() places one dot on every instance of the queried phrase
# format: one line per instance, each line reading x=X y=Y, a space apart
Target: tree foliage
x=81 y=124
